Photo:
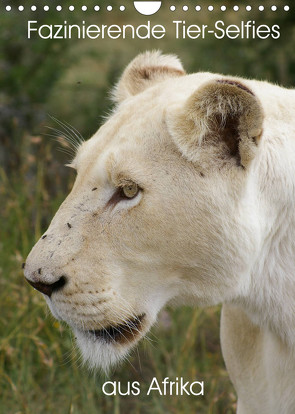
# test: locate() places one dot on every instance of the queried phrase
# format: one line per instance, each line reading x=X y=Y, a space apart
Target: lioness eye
x=130 y=190
x=124 y=192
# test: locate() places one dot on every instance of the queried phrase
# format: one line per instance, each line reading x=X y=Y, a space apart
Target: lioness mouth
x=122 y=333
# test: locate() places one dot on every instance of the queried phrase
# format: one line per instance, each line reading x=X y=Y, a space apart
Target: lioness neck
x=270 y=300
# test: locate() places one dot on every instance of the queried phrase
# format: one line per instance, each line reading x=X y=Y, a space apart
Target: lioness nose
x=48 y=289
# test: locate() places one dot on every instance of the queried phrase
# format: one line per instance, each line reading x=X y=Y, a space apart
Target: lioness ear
x=224 y=115
x=144 y=71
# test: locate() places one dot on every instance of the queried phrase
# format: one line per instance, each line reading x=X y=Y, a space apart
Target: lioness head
x=159 y=211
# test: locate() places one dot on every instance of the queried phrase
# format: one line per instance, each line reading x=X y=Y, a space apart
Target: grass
x=41 y=370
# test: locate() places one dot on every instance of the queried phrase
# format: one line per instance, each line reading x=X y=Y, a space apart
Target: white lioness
x=185 y=195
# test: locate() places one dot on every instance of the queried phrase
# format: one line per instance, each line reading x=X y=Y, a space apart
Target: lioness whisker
x=74 y=133
x=61 y=134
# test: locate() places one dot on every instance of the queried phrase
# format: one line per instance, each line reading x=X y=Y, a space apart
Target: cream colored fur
x=213 y=222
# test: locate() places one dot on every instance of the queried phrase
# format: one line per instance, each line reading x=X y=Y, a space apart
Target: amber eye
x=130 y=190
x=126 y=191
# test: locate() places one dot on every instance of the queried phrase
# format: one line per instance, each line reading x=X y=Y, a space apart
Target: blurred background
x=40 y=369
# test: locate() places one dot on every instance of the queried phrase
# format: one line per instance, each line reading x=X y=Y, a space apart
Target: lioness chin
x=185 y=194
